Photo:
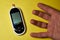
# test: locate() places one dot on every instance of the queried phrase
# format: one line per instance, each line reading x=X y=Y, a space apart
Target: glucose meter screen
x=16 y=18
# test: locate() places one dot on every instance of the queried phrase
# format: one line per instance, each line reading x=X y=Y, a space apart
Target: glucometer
x=17 y=20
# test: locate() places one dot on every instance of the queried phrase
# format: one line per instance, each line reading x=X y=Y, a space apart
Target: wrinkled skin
x=53 y=25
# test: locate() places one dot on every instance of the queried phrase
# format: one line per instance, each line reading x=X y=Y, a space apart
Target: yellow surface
x=6 y=31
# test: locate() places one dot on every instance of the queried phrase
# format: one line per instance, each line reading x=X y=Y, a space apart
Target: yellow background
x=6 y=31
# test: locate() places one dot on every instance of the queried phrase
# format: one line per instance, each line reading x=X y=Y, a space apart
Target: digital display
x=16 y=18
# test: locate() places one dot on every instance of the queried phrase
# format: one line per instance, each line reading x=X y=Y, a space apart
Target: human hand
x=53 y=25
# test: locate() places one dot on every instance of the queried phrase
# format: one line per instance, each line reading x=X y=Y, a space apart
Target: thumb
x=40 y=35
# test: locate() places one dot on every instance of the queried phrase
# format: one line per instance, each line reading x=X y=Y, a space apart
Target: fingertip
x=33 y=21
x=33 y=35
x=39 y=4
x=35 y=12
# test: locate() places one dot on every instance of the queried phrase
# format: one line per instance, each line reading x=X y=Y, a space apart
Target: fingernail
x=39 y=4
x=32 y=21
x=32 y=34
x=36 y=12
x=33 y=11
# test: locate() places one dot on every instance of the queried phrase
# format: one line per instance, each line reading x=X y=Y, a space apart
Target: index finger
x=47 y=8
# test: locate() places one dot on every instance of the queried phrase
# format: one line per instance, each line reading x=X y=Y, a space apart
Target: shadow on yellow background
x=6 y=31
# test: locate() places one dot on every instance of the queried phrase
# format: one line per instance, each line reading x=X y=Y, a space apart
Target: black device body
x=17 y=21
